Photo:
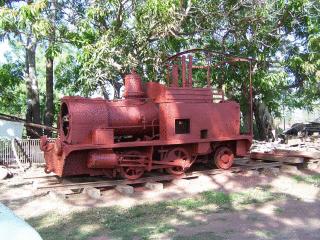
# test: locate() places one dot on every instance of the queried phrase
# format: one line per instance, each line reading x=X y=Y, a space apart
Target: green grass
x=278 y=210
x=310 y=179
x=264 y=234
x=147 y=221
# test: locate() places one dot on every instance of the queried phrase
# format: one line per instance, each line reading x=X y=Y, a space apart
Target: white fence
x=27 y=151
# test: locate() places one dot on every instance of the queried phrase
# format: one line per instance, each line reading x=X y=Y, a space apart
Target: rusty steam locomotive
x=153 y=127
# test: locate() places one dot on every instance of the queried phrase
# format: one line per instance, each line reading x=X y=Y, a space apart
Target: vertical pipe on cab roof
x=251 y=104
x=190 y=71
x=183 y=69
x=175 y=75
x=168 y=75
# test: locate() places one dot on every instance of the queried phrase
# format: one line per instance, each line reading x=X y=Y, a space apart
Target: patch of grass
x=147 y=221
x=310 y=179
x=203 y=199
x=278 y=210
x=264 y=234
x=229 y=231
x=255 y=196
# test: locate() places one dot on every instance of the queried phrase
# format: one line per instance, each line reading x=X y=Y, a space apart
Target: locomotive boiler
x=153 y=127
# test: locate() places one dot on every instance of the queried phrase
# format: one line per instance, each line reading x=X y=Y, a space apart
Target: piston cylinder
x=102 y=159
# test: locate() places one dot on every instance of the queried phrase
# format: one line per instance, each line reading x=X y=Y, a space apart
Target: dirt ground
x=250 y=206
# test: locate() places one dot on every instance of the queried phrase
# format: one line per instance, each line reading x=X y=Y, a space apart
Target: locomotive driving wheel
x=132 y=172
x=223 y=158
x=179 y=156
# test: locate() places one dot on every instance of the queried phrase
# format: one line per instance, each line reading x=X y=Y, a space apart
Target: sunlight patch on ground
x=148 y=221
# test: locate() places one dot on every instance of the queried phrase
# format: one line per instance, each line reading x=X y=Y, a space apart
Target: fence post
x=16 y=155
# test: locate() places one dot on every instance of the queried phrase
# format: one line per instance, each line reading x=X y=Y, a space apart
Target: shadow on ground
x=255 y=213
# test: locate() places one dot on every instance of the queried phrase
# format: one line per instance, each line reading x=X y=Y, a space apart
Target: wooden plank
x=274 y=157
x=41 y=176
x=107 y=183
x=298 y=153
x=112 y=183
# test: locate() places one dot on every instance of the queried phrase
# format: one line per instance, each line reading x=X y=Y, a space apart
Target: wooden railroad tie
x=150 y=182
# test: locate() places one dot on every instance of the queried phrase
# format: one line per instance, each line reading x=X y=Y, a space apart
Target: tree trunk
x=33 y=103
x=246 y=120
x=104 y=90
x=49 y=113
x=264 y=121
x=117 y=86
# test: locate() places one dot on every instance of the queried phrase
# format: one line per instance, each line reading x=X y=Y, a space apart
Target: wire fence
x=26 y=150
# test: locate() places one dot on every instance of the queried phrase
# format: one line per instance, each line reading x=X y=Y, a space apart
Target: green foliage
x=119 y=37
x=112 y=37
x=12 y=93
x=19 y=20
x=67 y=75
x=141 y=35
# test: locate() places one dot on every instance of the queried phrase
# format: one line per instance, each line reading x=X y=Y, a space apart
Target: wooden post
x=14 y=150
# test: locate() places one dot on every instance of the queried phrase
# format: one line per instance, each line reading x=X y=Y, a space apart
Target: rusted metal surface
x=224 y=157
x=183 y=71
x=175 y=75
x=190 y=71
x=250 y=100
x=230 y=59
x=180 y=157
x=153 y=127
x=133 y=86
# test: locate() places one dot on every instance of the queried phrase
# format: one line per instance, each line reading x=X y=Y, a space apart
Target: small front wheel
x=223 y=157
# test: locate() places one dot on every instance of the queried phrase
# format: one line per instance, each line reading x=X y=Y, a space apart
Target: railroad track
x=53 y=183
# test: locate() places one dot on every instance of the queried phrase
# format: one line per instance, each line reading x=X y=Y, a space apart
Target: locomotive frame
x=153 y=127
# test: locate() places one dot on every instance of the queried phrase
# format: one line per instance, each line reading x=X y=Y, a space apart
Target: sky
x=4 y=47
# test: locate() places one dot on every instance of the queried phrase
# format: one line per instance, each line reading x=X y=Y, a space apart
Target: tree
x=61 y=15
x=119 y=35
x=24 y=23
x=12 y=94
x=106 y=39
x=49 y=112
